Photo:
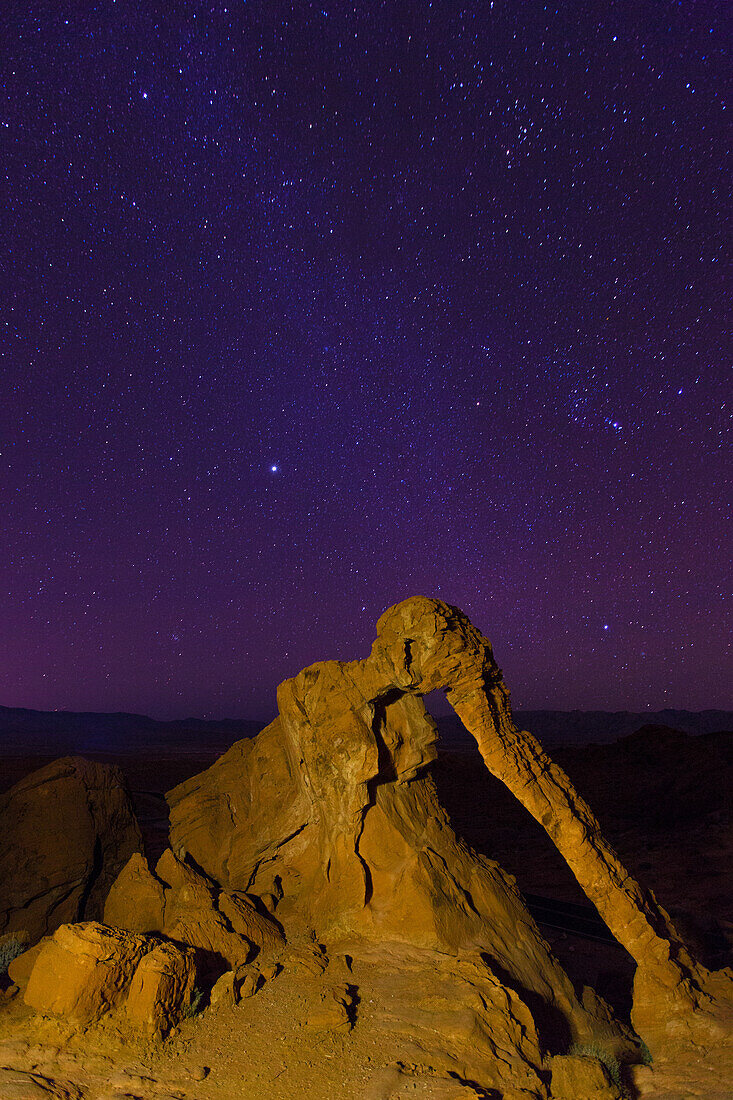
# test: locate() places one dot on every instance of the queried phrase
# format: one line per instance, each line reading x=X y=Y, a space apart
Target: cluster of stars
x=308 y=310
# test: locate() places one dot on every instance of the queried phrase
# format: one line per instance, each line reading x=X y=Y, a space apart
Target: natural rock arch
x=331 y=809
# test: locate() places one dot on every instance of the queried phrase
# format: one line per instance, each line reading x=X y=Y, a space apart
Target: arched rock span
x=332 y=810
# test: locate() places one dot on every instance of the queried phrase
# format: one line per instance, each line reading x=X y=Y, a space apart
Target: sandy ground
x=261 y=1048
x=266 y=1048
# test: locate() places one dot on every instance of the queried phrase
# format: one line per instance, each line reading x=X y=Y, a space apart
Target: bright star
x=274 y=469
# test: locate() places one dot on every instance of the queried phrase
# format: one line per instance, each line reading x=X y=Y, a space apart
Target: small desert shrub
x=10 y=948
x=197 y=1002
x=646 y=1054
x=609 y=1060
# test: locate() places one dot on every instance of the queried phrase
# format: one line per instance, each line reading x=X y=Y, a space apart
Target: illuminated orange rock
x=136 y=899
x=83 y=970
x=574 y=1076
x=161 y=989
x=185 y=905
x=332 y=810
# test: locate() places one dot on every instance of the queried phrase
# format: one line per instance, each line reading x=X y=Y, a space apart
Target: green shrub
x=193 y=1009
x=609 y=1060
x=646 y=1054
x=10 y=947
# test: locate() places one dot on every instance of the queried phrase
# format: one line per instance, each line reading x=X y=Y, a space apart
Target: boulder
x=225 y=990
x=137 y=898
x=306 y=959
x=67 y=830
x=192 y=916
x=190 y=908
x=83 y=970
x=333 y=1012
x=582 y=1077
x=238 y=985
x=247 y=921
x=248 y=981
x=161 y=989
x=194 y=922
x=176 y=872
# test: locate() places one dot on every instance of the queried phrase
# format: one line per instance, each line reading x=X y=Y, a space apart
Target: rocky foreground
x=316 y=926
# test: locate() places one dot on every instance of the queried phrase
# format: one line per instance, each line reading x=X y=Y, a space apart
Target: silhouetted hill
x=61 y=732
x=656 y=776
x=586 y=727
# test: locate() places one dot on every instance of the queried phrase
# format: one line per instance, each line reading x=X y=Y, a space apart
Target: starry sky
x=308 y=308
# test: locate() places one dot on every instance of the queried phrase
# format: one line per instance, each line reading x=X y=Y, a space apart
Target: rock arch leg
x=446 y=651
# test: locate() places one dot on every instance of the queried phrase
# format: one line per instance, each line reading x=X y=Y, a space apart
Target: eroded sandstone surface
x=181 y=902
x=66 y=830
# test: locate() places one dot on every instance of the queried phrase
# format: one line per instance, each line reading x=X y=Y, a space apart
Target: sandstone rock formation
x=455 y=1018
x=189 y=908
x=136 y=899
x=83 y=970
x=67 y=830
x=331 y=811
x=574 y=1076
x=423 y=885
x=161 y=988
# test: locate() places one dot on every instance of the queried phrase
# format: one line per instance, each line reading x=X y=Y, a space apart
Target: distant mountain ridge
x=62 y=732
x=587 y=727
x=65 y=731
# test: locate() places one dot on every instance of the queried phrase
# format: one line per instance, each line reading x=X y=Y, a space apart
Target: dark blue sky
x=309 y=308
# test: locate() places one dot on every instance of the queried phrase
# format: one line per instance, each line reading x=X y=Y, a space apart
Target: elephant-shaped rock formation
x=332 y=816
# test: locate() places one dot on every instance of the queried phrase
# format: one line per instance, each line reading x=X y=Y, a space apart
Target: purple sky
x=306 y=311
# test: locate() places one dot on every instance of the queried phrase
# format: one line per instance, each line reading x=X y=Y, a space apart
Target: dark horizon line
x=61 y=711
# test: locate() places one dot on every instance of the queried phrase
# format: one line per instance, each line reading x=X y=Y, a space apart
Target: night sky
x=308 y=308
